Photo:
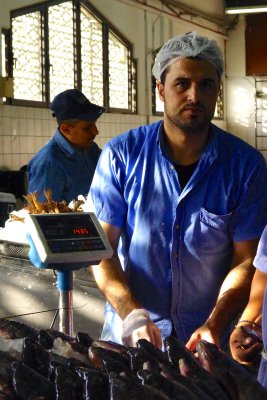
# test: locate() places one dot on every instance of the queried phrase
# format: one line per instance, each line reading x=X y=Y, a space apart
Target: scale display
x=68 y=237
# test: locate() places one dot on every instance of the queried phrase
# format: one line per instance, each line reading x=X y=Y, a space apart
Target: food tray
x=14 y=249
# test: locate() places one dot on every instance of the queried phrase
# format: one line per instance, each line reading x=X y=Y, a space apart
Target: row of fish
x=49 y=365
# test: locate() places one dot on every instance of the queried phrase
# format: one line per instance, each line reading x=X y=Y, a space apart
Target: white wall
x=24 y=130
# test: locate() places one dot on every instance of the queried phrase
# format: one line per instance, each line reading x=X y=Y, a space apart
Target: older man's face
x=80 y=134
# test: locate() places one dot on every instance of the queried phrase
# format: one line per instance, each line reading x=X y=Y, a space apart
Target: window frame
x=107 y=27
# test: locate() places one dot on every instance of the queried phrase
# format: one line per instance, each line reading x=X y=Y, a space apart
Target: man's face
x=80 y=134
x=189 y=93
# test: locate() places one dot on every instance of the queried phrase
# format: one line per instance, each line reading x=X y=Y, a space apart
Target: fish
x=6 y=374
x=137 y=358
x=97 y=354
x=174 y=390
x=68 y=386
x=84 y=339
x=152 y=350
x=174 y=376
x=11 y=329
x=35 y=356
x=241 y=384
x=175 y=350
x=122 y=388
x=109 y=345
x=203 y=379
x=29 y=384
x=96 y=385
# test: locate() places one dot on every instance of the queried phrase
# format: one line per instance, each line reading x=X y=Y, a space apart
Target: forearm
x=253 y=310
x=233 y=297
x=112 y=282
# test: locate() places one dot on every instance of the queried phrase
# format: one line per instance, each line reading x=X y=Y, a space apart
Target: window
x=58 y=45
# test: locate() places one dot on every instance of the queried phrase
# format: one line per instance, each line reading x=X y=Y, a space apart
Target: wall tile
x=24 y=144
x=15 y=162
x=7 y=161
x=31 y=144
x=15 y=142
x=14 y=126
x=6 y=125
x=7 y=144
x=37 y=127
x=23 y=131
x=1 y=161
x=30 y=127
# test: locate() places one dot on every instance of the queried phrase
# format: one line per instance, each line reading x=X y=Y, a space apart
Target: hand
x=138 y=325
x=202 y=333
x=246 y=344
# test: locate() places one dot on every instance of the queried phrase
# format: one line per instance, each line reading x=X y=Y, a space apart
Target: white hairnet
x=188 y=45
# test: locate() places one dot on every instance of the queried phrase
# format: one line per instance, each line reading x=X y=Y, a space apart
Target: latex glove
x=138 y=325
x=246 y=344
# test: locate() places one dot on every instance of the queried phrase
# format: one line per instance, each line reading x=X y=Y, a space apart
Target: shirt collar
x=64 y=144
x=210 y=152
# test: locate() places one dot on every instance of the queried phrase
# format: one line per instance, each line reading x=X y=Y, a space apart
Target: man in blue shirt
x=66 y=164
x=183 y=204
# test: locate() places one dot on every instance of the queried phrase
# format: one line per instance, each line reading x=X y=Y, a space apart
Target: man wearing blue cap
x=66 y=164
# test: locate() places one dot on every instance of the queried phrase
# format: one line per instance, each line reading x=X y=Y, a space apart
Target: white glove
x=137 y=318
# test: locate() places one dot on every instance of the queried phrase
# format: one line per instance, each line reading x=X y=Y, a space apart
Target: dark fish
x=4 y=396
x=58 y=334
x=45 y=339
x=35 y=356
x=68 y=386
x=176 y=350
x=152 y=350
x=122 y=388
x=96 y=355
x=84 y=339
x=138 y=357
x=6 y=374
x=96 y=385
x=112 y=365
x=174 y=390
x=109 y=345
x=174 y=376
x=230 y=373
x=10 y=329
x=30 y=385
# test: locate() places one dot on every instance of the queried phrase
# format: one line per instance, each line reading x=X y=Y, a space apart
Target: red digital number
x=80 y=231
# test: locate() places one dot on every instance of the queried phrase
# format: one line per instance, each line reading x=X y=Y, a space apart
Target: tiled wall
x=24 y=130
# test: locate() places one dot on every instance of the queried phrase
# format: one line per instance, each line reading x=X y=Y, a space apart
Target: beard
x=190 y=124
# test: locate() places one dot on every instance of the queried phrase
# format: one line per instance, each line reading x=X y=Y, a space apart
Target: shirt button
x=172 y=167
x=176 y=255
x=177 y=226
x=162 y=224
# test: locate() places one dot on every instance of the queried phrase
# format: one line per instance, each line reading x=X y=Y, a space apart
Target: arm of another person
x=112 y=282
x=233 y=295
x=246 y=338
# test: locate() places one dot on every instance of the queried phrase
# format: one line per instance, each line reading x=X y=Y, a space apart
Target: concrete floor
x=26 y=294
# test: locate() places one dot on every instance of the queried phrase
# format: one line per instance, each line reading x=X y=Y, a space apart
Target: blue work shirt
x=260 y=262
x=176 y=246
x=68 y=171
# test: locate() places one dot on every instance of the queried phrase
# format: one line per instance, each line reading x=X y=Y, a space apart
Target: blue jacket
x=63 y=168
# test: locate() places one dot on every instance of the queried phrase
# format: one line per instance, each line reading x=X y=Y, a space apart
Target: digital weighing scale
x=66 y=242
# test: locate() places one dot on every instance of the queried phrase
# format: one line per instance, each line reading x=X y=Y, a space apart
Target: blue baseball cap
x=72 y=104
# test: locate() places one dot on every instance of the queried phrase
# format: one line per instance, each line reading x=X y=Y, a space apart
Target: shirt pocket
x=212 y=233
